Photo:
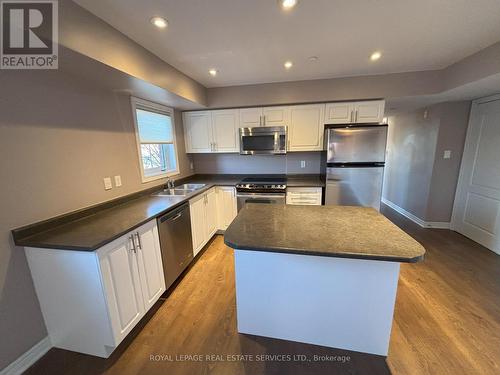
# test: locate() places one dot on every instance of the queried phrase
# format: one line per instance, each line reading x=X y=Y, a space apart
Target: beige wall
x=479 y=66
x=81 y=31
x=323 y=90
x=417 y=178
x=454 y=120
x=58 y=138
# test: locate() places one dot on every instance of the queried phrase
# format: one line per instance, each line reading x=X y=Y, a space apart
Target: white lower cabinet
x=304 y=196
x=203 y=210
x=91 y=300
x=226 y=206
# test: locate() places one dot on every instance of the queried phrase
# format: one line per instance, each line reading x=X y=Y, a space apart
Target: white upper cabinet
x=218 y=130
x=276 y=116
x=371 y=111
x=225 y=131
x=306 y=127
x=339 y=113
x=198 y=131
x=264 y=116
x=250 y=117
x=211 y=131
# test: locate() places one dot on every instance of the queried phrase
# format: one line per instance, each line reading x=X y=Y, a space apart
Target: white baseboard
x=415 y=219
x=26 y=360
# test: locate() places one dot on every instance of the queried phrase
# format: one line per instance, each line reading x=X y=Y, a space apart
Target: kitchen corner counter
x=331 y=231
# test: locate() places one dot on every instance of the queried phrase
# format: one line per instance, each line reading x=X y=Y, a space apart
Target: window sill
x=146 y=179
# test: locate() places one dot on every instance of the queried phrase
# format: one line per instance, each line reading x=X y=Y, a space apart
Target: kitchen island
x=324 y=275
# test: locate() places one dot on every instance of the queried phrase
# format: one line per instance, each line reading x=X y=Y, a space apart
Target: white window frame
x=159 y=108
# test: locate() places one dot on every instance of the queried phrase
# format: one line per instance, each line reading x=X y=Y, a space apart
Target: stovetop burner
x=262 y=184
x=264 y=180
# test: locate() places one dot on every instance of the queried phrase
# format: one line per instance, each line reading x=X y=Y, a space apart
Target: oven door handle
x=258 y=195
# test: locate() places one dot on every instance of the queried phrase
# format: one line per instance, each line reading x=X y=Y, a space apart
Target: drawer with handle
x=304 y=196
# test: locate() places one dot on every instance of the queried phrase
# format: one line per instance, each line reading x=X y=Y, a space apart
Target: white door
x=226 y=206
x=150 y=263
x=211 y=213
x=369 y=111
x=197 y=211
x=306 y=127
x=198 y=131
x=120 y=275
x=276 y=116
x=476 y=212
x=250 y=117
x=225 y=130
x=339 y=113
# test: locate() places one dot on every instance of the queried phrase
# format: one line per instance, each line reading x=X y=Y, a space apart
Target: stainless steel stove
x=267 y=190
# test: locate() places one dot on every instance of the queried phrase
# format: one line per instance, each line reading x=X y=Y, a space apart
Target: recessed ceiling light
x=287 y=4
x=212 y=72
x=159 y=22
x=376 y=55
x=288 y=64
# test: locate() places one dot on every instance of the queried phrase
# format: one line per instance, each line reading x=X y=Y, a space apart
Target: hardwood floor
x=447 y=321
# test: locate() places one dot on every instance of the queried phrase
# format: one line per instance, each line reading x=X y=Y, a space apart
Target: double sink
x=180 y=191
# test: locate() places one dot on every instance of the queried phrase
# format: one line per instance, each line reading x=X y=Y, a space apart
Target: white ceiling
x=249 y=40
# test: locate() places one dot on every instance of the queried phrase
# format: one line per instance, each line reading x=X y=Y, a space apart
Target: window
x=155 y=133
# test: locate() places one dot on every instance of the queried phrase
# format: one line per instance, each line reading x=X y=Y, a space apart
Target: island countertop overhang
x=332 y=231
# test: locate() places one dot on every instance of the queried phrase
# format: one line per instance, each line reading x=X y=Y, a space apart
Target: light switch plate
x=118 y=181
x=107 y=183
x=447 y=154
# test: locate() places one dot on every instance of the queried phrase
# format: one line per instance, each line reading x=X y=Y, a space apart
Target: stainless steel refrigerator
x=355 y=164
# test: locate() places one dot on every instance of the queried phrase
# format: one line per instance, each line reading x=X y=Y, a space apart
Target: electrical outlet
x=302 y=164
x=107 y=183
x=118 y=181
x=191 y=165
x=447 y=154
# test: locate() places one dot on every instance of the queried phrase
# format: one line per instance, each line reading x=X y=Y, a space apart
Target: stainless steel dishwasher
x=176 y=242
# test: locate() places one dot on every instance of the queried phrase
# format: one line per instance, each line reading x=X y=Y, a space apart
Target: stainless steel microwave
x=263 y=140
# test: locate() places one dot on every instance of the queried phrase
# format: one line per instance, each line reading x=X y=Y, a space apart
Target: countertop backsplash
x=259 y=164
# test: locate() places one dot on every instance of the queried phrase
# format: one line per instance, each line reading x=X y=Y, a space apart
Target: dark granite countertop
x=334 y=231
x=92 y=228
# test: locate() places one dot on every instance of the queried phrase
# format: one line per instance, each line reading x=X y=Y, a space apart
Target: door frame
x=455 y=219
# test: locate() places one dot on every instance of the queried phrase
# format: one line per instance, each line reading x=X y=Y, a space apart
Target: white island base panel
x=334 y=302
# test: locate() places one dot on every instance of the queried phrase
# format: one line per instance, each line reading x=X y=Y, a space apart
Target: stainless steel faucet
x=170 y=183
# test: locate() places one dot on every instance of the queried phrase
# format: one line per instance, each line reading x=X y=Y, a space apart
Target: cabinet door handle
x=356 y=116
x=352 y=116
x=139 y=243
x=264 y=120
x=133 y=244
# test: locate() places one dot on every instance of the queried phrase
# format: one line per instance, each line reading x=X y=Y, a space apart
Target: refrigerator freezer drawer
x=354 y=186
